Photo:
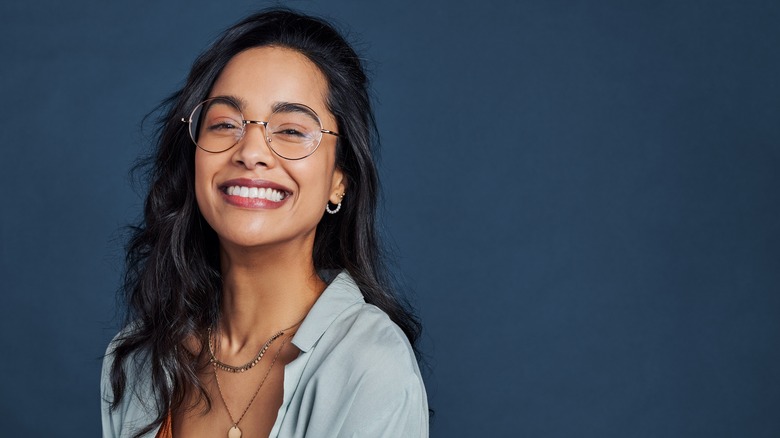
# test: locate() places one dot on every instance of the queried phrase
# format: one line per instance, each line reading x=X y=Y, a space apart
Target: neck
x=264 y=291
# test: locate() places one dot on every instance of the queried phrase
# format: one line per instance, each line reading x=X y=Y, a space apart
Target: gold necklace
x=234 y=431
x=249 y=365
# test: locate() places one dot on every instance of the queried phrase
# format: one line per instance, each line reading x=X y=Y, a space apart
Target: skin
x=270 y=282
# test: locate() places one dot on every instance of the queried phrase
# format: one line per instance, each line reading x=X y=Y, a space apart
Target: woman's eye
x=223 y=126
x=290 y=132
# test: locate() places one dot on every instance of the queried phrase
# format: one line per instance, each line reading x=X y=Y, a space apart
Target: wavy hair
x=172 y=284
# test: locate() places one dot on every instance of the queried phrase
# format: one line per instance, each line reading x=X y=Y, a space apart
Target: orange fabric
x=166 y=428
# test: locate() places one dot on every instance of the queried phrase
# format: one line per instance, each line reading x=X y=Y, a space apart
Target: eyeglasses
x=293 y=130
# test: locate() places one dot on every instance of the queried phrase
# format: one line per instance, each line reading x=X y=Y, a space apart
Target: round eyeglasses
x=293 y=130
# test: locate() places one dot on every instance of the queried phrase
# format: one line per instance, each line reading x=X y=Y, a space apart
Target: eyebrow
x=241 y=103
x=289 y=107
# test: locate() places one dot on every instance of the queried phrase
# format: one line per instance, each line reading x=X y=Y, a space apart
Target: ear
x=338 y=187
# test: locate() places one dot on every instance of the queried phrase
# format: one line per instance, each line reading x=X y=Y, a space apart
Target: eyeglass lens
x=292 y=131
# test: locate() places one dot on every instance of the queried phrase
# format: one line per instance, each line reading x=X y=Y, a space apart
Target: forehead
x=263 y=77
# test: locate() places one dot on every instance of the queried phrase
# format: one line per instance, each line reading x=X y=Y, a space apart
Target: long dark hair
x=173 y=283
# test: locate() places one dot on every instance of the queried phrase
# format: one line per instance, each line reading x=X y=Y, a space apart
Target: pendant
x=234 y=432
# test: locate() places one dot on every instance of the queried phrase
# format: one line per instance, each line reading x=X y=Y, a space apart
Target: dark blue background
x=582 y=195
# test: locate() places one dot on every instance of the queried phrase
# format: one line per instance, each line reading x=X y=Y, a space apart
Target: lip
x=243 y=202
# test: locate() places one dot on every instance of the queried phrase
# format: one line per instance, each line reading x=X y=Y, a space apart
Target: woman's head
x=251 y=194
x=346 y=100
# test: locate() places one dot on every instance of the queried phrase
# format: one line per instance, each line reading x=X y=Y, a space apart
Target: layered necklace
x=234 y=431
x=247 y=366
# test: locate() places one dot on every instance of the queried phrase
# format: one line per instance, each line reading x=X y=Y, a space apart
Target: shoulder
x=136 y=409
x=358 y=374
x=341 y=321
x=132 y=365
x=371 y=339
x=366 y=369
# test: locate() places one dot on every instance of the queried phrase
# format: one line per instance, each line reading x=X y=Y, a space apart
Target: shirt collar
x=340 y=294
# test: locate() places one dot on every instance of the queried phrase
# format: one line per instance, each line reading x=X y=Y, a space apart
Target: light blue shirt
x=356 y=376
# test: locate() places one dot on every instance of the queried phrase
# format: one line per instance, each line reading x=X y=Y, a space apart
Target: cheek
x=314 y=179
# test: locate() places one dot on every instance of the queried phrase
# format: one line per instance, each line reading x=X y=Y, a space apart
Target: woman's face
x=261 y=78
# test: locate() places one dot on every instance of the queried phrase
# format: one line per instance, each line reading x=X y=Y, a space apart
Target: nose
x=252 y=150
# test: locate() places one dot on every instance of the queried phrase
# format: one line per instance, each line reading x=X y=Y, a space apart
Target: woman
x=257 y=301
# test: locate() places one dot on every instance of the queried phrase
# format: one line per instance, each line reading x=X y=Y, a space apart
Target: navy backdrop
x=583 y=197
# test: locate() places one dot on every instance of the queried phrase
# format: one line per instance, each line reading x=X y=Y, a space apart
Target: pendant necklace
x=234 y=431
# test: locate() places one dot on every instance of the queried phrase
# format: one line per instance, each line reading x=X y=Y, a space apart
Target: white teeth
x=255 y=192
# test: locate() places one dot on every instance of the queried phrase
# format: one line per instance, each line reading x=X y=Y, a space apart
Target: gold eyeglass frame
x=245 y=122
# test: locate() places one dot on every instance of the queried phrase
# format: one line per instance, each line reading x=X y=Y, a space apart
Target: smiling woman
x=250 y=310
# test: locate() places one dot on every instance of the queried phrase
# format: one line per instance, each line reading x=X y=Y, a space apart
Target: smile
x=255 y=193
